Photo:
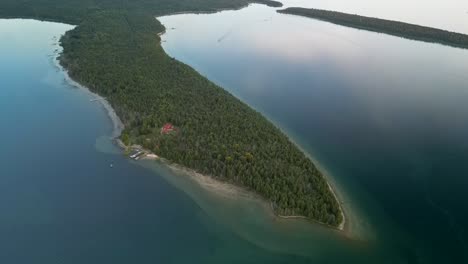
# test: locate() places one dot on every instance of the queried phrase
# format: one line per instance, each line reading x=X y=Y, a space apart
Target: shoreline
x=207 y=182
x=117 y=124
x=226 y=189
x=272 y=4
x=344 y=225
x=214 y=11
x=384 y=26
x=229 y=190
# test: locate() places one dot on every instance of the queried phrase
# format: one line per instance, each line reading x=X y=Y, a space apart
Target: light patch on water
x=448 y=14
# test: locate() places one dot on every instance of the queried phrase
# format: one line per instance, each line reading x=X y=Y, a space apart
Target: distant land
x=396 y=28
x=268 y=3
x=170 y=109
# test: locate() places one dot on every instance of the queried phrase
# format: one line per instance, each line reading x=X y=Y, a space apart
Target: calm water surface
x=385 y=116
x=446 y=14
x=60 y=202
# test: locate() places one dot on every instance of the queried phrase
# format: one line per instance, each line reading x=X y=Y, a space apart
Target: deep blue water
x=387 y=117
x=61 y=202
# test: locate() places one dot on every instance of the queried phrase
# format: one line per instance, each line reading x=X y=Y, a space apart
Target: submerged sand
x=118 y=126
x=228 y=190
x=221 y=188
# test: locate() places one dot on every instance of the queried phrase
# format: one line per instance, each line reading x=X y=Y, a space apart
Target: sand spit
x=209 y=183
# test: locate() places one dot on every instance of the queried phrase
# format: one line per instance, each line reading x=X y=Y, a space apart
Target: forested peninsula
x=115 y=51
x=396 y=28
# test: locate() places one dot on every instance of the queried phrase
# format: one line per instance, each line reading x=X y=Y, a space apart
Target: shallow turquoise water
x=384 y=116
x=60 y=202
x=387 y=117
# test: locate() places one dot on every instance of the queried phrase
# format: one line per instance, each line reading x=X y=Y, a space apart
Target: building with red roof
x=167 y=128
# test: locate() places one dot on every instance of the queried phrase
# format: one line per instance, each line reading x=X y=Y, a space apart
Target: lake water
x=447 y=14
x=385 y=116
x=61 y=202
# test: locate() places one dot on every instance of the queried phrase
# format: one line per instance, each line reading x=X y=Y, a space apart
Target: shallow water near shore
x=62 y=202
x=384 y=116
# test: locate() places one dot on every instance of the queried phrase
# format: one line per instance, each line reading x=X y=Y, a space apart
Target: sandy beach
x=207 y=182
x=118 y=126
x=231 y=191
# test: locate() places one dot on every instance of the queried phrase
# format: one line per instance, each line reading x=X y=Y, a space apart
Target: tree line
x=116 y=53
x=396 y=28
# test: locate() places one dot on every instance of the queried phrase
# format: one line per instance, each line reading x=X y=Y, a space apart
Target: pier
x=137 y=154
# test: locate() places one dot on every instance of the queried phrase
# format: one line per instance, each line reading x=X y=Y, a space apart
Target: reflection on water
x=450 y=15
x=384 y=115
x=61 y=202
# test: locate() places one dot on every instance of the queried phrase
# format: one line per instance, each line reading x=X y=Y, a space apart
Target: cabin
x=167 y=128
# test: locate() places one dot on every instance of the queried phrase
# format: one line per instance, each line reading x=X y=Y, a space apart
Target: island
x=173 y=111
x=396 y=28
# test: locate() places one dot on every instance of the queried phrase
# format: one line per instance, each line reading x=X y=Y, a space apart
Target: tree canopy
x=115 y=51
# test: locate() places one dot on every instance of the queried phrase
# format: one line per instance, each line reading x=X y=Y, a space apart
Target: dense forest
x=116 y=52
x=401 y=29
x=75 y=11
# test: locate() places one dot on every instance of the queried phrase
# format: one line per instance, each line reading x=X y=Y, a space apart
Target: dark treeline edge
x=395 y=28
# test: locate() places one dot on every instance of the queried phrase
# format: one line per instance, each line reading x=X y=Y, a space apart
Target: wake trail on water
x=225 y=35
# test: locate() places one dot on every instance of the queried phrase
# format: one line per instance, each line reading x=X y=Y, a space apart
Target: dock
x=137 y=154
x=96 y=99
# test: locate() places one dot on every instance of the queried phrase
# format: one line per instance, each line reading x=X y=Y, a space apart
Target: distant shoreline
x=269 y=3
x=390 y=27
